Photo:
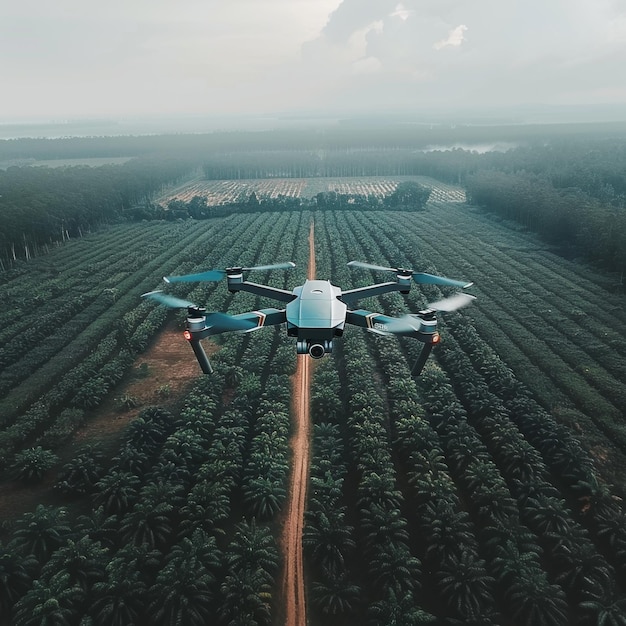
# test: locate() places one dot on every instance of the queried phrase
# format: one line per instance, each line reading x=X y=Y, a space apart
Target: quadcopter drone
x=315 y=312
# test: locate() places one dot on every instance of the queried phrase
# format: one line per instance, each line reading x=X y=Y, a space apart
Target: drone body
x=315 y=312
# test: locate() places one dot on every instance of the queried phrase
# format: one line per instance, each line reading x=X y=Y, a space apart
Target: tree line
x=567 y=183
x=40 y=206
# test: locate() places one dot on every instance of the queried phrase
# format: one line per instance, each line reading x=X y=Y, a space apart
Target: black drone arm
x=352 y=295
x=422 y=328
x=282 y=295
x=201 y=326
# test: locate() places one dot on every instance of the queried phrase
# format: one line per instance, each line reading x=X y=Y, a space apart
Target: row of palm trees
x=496 y=466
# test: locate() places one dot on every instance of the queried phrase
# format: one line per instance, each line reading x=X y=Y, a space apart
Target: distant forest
x=566 y=182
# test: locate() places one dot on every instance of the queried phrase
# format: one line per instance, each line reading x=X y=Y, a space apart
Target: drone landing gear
x=203 y=360
x=421 y=359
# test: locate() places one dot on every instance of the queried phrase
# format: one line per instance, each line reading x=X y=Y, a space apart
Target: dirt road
x=293 y=577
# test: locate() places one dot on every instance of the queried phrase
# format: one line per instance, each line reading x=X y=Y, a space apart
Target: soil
x=160 y=376
x=293 y=577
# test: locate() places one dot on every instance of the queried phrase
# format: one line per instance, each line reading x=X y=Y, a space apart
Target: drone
x=316 y=312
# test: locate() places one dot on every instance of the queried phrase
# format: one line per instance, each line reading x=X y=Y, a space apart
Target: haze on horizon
x=73 y=59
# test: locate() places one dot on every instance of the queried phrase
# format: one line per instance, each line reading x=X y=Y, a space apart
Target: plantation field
x=227 y=191
x=487 y=491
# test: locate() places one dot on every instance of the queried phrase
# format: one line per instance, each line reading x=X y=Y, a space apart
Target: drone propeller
x=453 y=303
x=221 y=321
x=170 y=301
x=217 y=275
x=411 y=322
x=419 y=277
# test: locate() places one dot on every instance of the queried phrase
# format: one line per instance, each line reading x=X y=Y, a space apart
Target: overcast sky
x=73 y=58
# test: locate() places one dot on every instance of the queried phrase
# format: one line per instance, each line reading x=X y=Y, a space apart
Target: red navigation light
x=187 y=335
x=436 y=338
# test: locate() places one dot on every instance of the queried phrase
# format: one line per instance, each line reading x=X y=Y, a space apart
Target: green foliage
x=32 y=464
x=407 y=196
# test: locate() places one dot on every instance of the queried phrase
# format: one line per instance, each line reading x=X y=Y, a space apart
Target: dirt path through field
x=293 y=577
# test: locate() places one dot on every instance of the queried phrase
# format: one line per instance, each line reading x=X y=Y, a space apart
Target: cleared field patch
x=219 y=192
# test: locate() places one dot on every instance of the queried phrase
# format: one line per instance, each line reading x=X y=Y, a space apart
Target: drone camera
x=314 y=350
x=317 y=350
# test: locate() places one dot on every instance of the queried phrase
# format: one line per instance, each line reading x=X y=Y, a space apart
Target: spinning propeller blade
x=429 y=279
x=167 y=300
x=211 y=275
x=453 y=303
x=419 y=277
x=224 y=322
x=275 y=266
x=369 y=266
x=221 y=321
x=409 y=323
x=217 y=275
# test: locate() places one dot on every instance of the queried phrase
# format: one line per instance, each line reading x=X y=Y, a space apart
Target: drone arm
x=352 y=295
x=252 y=320
x=374 y=322
x=281 y=295
x=408 y=326
x=263 y=317
x=198 y=328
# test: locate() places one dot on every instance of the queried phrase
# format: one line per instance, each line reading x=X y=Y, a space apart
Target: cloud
x=454 y=39
x=72 y=57
x=402 y=12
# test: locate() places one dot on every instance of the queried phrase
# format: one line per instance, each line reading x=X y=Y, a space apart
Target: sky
x=67 y=59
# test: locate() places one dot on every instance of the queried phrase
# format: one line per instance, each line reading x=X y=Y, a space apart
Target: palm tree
x=253 y=548
x=182 y=594
x=233 y=376
x=533 y=601
x=325 y=490
x=548 y=515
x=52 y=602
x=16 y=574
x=335 y=596
x=393 y=567
x=147 y=524
x=117 y=491
x=41 y=532
x=245 y=598
x=198 y=547
x=264 y=497
x=328 y=539
x=383 y=526
x=146 y=434
x=582 y=572
x=100 y=527
x=32 y=464
x=207 y=508
x=80 y=475
x=609 y=612
x=120 y=598
x=379 y=488
x=465 y=586
x=398 y=610
x=512 y=563
x=448 y=532
x=83 y=560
